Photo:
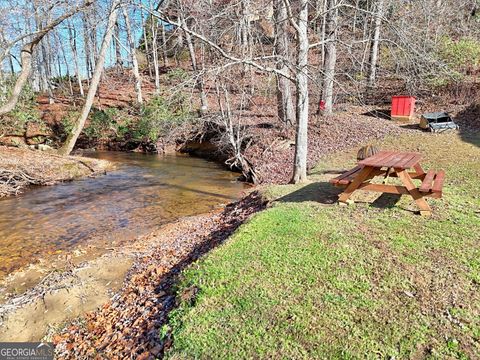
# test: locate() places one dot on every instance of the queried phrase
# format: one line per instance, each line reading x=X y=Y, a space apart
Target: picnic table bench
x=393 y=164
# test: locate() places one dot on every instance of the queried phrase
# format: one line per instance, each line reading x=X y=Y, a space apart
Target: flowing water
x=145 y=191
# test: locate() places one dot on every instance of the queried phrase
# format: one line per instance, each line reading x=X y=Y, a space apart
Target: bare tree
x=78 y=127
x=133 y=56
x=118 y=50
x=330 y=55
x=154 y=28
x=193 y=59
x=301 y=137
x=73 y=47
x=284 y=92
x=27 y=54
x=379 y=5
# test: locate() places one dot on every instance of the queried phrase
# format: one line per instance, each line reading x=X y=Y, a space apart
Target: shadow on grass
x=469 y=122
x=385 y=201
x=327 y=194
x=322 y=192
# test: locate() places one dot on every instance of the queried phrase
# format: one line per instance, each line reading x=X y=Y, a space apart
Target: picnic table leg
x=418 y=169
x=359 y=179
x=420 y=173
x=417 y=196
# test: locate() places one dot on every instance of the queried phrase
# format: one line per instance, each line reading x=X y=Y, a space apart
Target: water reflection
x=146 y=191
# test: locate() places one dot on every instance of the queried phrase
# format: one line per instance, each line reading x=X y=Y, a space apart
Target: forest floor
x=22 y=167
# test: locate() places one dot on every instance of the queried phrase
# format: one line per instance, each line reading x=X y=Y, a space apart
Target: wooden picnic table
x=393 y=164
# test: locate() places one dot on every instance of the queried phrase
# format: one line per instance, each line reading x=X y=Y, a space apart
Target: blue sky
x=16 y=23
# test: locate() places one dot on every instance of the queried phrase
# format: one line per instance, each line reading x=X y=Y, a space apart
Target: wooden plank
x=412 y=162
x=382 y=160
x=373 y=160
x=399 y=159
x=347 y=180
x=360 y=178
x=438 y=183
x=345 y=174
x=427 y=182
x=389 y=189
x=405 y=160
x=418 y=169
x=417 y=195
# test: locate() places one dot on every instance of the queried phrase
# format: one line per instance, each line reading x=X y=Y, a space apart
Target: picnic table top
x=393 y=159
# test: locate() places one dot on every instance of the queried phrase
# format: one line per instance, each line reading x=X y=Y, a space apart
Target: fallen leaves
x=130 y=324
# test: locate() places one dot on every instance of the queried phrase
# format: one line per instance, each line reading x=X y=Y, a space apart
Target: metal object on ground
x=437 y=122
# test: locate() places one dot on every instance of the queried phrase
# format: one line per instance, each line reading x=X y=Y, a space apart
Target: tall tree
x=118 y=50
x=379 y=5
x=153 y=29
x=330 y=55
x=285 y=109
x=78 y=127
x=73 y=46
x=27 y=55
x=133 y=56
x=193 y=58
x=301 y=137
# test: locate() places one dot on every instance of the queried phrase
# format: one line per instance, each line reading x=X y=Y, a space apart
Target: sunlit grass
x=310 y=279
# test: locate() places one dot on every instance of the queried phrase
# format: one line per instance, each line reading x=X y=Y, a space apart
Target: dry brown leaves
x=129 y=325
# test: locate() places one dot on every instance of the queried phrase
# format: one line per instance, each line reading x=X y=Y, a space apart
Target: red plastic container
x=403 y=107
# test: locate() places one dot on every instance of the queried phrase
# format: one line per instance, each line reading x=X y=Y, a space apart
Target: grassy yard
x=307 y=278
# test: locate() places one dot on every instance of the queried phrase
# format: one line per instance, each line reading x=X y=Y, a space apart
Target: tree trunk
x=193 y=58
x=375 y=43
x=61 y=46
x=330 y=55
x=86 y=46
x=322 y=35
x=155 y=52
x=284 y=92
x=145 y=41
x=72 y=138
x=73 y=46
x=118 y=51
x=301 y=139
x=26 y=58
x=133 y=56
x=45 y=63
x=164 y=47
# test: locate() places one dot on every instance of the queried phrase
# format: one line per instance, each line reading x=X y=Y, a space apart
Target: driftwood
x=13 y=180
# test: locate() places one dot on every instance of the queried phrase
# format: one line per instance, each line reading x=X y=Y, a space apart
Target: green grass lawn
x=307 y=278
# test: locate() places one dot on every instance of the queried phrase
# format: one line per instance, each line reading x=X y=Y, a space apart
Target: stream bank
x=66 y=249
x=130 y=323
x=23 y=167
x=119 y=301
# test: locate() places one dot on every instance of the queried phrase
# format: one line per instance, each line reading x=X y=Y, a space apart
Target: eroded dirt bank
x=22 y=167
